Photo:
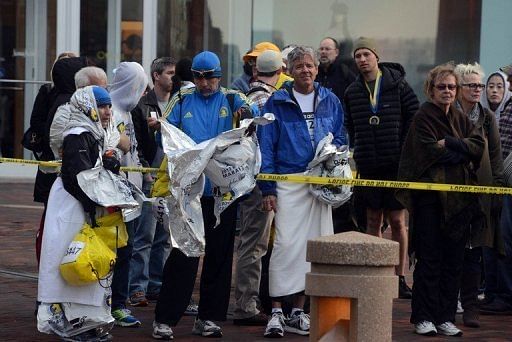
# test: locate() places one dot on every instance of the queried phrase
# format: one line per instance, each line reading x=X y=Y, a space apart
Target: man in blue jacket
x=202 y=113
x=305 y=113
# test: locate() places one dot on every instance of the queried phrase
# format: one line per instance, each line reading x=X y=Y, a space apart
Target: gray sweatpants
x=253 y=242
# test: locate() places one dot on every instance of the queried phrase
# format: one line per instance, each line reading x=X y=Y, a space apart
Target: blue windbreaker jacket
x=285 y=144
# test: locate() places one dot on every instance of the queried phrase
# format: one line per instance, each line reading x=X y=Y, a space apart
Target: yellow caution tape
x=387 y=184
x=57 y=164
x=322 y=180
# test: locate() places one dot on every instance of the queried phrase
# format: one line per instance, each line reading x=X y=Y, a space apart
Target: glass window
x=179 y=28
x=94 y=27
x=131 y=31
x=421 y=38
x=186 y=27
x=415 y=33
x=93 y=31
x=12 y=67
x=51 y=36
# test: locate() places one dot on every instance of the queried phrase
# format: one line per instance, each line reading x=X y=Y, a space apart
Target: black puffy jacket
x=378 y=147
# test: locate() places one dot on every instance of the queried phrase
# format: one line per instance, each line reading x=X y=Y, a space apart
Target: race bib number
x=73 y=251
x=310 y=122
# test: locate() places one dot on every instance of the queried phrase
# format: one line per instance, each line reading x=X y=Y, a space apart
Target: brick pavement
x=19 y=218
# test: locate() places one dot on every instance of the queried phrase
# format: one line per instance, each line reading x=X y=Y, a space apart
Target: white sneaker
x=448 y=329
x=459 y=307
x=425 y=328
x=206 y=328
x=298 y=323
x=162 y=331
x=275 y=325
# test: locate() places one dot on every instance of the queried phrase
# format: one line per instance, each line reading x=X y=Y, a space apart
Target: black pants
x=470 y=279
x=439 y=264
x=121 y=278
x=180 y=271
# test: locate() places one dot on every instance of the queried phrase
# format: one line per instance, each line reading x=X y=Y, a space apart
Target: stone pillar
x=352 y=284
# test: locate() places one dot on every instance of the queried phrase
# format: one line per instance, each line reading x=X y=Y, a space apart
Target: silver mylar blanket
x=230 y=161
x=108 y=189
x=330 y=161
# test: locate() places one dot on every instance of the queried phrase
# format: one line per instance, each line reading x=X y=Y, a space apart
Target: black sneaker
x=192 y=309
x=206 y=328
x=298 y=323
x=257 y=320
x=89 y=336
x=496 y=307
x=404 y=291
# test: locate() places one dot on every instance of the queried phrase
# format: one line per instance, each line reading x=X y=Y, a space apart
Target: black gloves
x=111 y=163
x=250 y=129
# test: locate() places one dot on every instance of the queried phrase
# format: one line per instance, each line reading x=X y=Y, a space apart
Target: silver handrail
x=11 y=88
x=24 y=81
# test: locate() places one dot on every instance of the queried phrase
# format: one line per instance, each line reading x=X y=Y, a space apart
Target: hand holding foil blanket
x=230 y=161
x=110 y=190
x=330 y=161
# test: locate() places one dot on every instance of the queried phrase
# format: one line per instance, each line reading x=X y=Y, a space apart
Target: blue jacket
x=203 y=118
x=285 y=144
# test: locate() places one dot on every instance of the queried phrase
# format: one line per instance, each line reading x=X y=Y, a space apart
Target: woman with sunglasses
x=489 y=173
x=442 y=146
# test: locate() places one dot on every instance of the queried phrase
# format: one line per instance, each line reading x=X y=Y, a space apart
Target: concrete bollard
x=352 y=284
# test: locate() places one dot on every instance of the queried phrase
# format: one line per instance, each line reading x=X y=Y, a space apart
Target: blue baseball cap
x=206 y=65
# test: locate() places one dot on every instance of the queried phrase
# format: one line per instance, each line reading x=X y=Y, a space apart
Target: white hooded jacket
x=129 y=83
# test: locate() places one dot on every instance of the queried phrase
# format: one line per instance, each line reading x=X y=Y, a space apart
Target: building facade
x=416 y=33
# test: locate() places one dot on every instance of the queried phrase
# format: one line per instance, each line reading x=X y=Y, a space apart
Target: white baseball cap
x=269 y=61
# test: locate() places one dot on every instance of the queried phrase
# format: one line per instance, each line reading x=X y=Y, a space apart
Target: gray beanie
x=366 y=43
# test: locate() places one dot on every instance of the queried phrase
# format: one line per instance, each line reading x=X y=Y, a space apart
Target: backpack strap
x=231 y=101
x=256 y=89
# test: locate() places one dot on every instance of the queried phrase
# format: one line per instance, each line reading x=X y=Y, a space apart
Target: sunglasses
x=474 y=85
x=442 y=87
x=203 y=73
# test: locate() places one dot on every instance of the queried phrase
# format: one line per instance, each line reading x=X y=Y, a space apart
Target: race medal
x=374 y=120
x=374 y=99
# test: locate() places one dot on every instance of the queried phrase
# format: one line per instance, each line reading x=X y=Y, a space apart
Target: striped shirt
x=505 y=128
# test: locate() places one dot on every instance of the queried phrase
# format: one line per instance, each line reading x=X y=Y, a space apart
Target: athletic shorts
x=379 y=198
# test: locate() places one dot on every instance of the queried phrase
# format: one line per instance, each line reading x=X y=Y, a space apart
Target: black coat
x=80 y=152
x=44 y=100
x=145 y=136
x=63 y=75
x=336 y=78
x=379 y=146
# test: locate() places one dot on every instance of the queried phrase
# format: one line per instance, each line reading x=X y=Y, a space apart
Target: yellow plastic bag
x=112 y=227
x=161 y=185
x=88 y=259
